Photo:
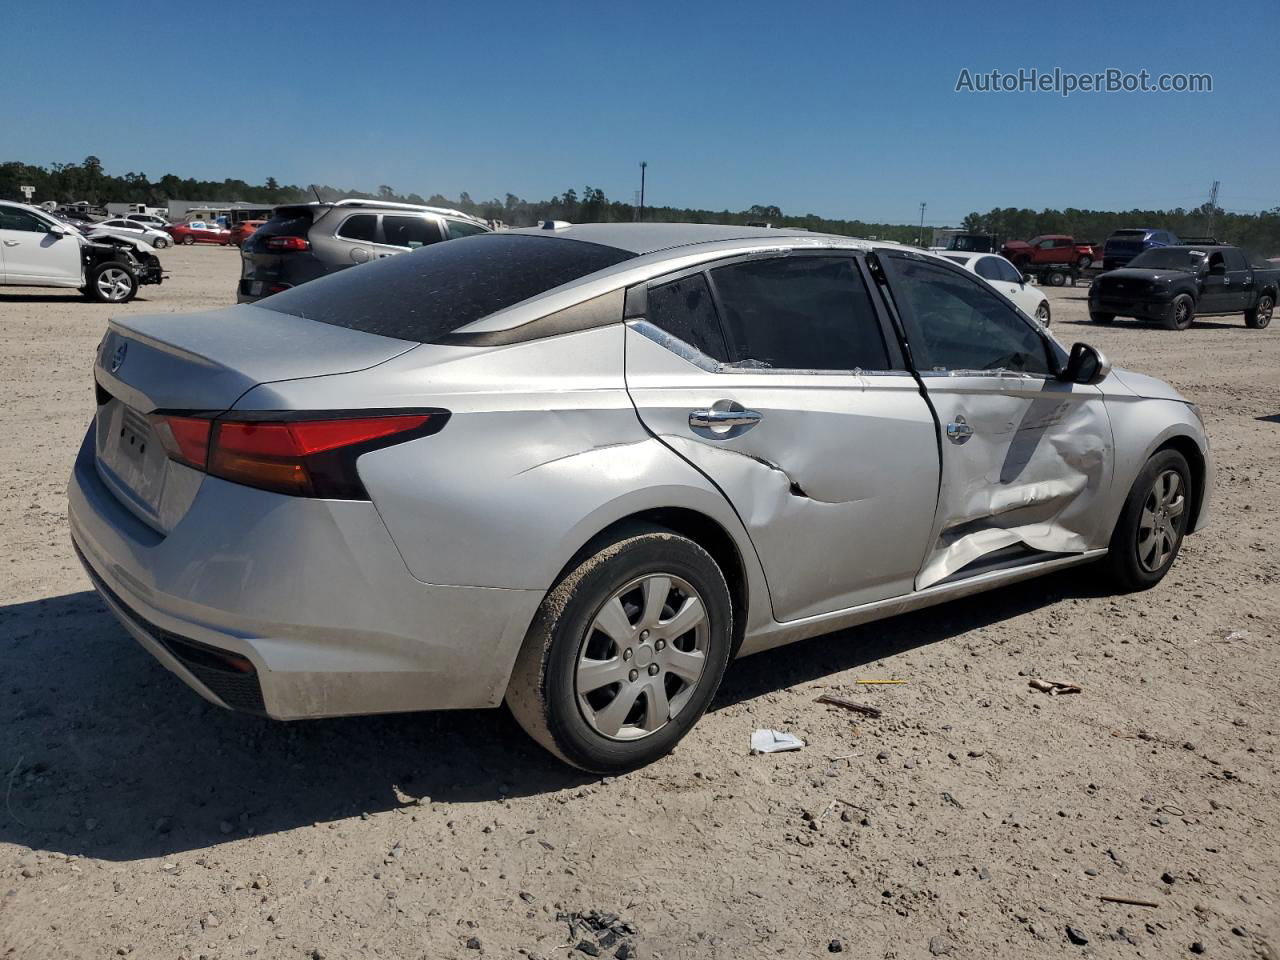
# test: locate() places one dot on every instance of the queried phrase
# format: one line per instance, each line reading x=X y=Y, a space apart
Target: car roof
x=646 y=238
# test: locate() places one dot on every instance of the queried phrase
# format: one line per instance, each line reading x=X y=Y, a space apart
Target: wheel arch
x=1190 y=450
x=697 y=526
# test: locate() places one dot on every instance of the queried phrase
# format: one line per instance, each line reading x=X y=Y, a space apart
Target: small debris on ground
x=774 y=741
x=1052 y=687
x=849 y=704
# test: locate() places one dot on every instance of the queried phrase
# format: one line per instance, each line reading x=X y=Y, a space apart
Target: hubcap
x=1264 y=311
x=1160 y=526
x=1180 y=312
x=1042 y=313
x=113 y=284
x=642 y=657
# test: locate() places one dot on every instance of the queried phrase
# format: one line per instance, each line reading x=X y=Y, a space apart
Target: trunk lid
x=201 y=364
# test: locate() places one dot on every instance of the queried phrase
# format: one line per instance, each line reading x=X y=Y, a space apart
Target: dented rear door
x=1026 y=458
x=833 y=470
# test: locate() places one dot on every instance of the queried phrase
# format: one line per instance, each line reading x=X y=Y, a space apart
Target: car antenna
x=317 y=193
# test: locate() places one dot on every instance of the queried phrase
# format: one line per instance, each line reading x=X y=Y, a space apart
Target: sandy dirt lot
x=977 y=818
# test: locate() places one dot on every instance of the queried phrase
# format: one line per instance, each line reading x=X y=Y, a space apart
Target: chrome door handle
x=958 y=431
x=724 y=418
x=11 y=243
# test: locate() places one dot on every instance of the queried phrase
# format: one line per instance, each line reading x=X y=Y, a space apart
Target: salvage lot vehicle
x=38 y=250
x=1049 y=250
x=304 y=241
x=132 y=230
x=1123 y=245
x=1006 y=278
x=1174 y=285
x=580 y=469
x=243 y=230
x=199 y=231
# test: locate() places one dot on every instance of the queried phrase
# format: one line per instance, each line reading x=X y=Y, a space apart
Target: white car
x=39 y=250
x=148 y=220
x=1008 y=279
x=133 y=230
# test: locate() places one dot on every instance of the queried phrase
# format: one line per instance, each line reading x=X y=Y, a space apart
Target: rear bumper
x=293 y=608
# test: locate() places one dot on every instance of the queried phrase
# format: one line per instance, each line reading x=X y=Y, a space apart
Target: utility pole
x=1213 y=203
x=920 y=239
x=640 y=212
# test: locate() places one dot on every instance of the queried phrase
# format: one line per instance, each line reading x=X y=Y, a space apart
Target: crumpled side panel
x=1031 y=472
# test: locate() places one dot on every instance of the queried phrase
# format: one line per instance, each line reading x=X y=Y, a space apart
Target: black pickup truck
x=1174 y=285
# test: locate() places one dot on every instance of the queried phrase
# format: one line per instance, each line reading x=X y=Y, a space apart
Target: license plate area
x=131 y=457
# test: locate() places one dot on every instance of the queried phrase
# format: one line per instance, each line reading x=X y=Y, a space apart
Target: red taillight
x=279 y=287
x=185 y=438
x=279 y=244
x=302 y=458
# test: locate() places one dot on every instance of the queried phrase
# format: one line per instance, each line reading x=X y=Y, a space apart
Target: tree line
x=90 y=182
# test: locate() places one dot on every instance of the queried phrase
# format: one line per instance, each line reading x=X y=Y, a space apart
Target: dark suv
x=1123 y=245
x=304 y=241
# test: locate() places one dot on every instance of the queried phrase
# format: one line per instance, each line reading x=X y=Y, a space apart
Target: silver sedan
x=579 y=469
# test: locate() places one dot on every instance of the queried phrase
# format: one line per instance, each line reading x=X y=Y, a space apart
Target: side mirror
x=1087 y=365
x=57 y=230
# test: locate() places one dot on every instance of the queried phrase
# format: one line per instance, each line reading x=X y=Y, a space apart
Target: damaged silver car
x=580 y=469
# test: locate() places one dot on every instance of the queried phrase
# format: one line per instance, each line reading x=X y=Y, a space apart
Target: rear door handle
x=724 y=418
x=12 y=243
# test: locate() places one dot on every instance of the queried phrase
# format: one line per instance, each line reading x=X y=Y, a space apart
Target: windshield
x=431 y=292
x=1169 y=258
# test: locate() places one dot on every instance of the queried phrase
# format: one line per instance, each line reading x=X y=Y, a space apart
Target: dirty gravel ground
x=977 y=818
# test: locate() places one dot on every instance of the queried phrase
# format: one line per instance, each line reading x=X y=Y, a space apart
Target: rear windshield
x=285 y=222
x=429 y=293
x=1129 y=233
x=1169 y=258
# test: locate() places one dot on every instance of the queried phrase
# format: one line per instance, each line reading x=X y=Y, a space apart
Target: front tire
x=625 y=653
x=1042 y=313
x=188 y=240
x=1104 y=319
x=1182 y=312
x=1084 y=263
x=1057 y=278
x=1259 y=318
x=1149 y=533
x=111 y=282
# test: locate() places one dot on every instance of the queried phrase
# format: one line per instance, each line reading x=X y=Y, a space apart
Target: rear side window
x=427 y=295
x=412 y=232
x=363 y=227
x=683 y=308
x=989 y=268
x=799 y=313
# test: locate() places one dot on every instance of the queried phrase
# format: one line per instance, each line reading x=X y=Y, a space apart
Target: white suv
x=37 y=250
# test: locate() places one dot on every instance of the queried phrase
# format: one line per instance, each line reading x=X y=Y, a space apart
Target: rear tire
x=1057 y=278
x=1182 y=313
x=1149 y=533
x=599 y=625
x=1104 y=319
x=1259 y=318
x=160 y=243
x=1084 y=263
x=111 y=282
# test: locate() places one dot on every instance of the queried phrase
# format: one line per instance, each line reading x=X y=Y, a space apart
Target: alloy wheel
x=114 y=284
x=642 y=657
x=1160 y=526
x=1180 y=311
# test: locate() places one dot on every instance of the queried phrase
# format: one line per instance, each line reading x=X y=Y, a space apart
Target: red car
x=1049 y=249
x=199 y=231
x=243 y=230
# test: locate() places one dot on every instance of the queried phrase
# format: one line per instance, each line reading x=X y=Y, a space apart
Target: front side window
x=1235 y=259
x=411 y=232
x=799 y=313
x=14 y=219
x=363 y=227
x=460 y=228
x=963 y=325
x=683 y=308
x=1007 y=271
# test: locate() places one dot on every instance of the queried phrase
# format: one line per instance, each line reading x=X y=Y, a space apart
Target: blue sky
x=842 y=109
